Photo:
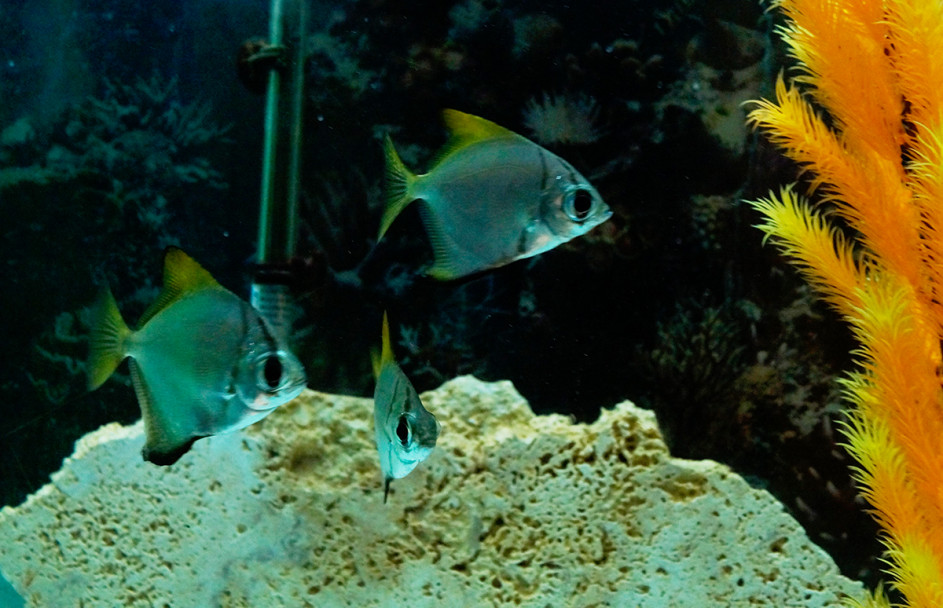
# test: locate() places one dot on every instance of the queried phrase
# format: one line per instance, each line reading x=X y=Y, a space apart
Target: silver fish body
x=203 y=362
x=406 y=432
x=492 y=198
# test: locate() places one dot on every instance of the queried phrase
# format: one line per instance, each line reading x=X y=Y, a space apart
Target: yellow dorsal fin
x=182 y=275
x=386 y=354
x=474 y=128
x=467 y=129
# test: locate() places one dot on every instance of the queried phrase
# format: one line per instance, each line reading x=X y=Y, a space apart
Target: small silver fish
x=405 y=431
x=203 y=361
x=492 y=197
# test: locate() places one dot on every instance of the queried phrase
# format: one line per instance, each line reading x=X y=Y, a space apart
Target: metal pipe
x=281 y=169
x=268 y=202
x=297 y=87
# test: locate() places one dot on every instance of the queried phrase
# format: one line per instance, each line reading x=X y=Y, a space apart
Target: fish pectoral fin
x=536 y=238
x=528 y=237
x=376 y=362
x=398 y=184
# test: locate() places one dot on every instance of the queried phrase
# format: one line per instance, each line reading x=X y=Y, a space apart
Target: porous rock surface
x=512 y=509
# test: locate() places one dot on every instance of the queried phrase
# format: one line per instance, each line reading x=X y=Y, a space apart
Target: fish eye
x=402 y=430
x=270 y=372
x=578 y=204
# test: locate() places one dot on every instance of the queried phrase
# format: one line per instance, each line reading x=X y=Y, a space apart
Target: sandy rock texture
x=512 y=509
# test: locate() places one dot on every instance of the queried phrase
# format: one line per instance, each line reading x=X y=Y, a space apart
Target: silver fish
x=492 y=197
x=203 y=361
x=405 y=431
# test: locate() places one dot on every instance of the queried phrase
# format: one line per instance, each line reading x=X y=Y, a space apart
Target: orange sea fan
x=916 y=27
x=841 y=48
x=876 y=68
x=926 y=181
x=866 y=188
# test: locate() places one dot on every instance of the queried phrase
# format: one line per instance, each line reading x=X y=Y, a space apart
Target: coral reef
x=511 y=509
x=716 y=98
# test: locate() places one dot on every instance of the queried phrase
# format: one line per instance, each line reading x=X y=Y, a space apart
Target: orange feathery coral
x=876 y=68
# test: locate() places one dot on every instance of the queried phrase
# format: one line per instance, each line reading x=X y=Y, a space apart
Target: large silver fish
x=405 y=431
x=203 y=361
x=492 y=197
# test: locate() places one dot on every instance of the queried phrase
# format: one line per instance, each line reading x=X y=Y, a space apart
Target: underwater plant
x=698 y=355
x=876 y=69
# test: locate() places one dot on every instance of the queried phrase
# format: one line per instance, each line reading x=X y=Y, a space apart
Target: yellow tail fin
x=106 y=341
x=399 y=181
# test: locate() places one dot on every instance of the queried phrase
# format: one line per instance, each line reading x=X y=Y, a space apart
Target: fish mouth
x=269 y=401
x=599 y=218
x=287 y=394
x=262 y=404
x=295 y=389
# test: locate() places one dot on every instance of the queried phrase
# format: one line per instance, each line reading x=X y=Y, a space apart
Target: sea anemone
x=563 y=119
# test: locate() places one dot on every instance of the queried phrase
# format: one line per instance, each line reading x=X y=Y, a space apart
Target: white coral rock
x=512 y=509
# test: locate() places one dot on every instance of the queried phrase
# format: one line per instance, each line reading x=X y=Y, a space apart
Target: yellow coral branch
x=821 y=252
x=926 y=179
x=866 y=188
x=871 y=600
x=793 y=125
